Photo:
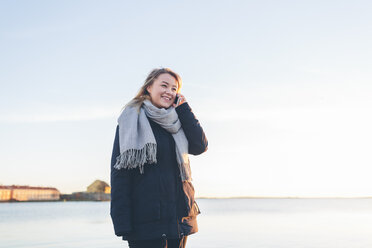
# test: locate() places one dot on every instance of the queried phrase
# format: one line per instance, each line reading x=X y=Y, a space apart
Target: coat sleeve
x=120 y=208
x=198 y=143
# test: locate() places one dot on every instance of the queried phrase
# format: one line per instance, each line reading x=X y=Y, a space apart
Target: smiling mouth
x=166 y=98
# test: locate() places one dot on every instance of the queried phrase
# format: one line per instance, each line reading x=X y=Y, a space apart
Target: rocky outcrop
x=97 y=186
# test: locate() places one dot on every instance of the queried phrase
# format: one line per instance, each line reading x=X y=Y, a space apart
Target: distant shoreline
x=210 y=198
x=287 y=197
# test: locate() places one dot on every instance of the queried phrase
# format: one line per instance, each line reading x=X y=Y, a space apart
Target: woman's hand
x=181 y=100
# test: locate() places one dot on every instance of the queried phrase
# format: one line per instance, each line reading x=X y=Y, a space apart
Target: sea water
x=259 y=223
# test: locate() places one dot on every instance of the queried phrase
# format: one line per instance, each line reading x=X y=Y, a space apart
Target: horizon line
x=285 y=197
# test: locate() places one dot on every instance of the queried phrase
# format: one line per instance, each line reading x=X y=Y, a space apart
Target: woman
x=152 y=198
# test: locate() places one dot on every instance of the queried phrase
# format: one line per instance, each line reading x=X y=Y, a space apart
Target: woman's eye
x=174 y=89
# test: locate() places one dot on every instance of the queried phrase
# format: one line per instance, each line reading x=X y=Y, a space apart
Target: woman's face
x=163 y=91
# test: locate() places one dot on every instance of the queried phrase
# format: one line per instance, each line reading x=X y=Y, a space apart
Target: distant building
x=27 y=193
x=107 y=190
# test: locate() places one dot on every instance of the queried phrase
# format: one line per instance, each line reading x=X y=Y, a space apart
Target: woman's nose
x=168 y=91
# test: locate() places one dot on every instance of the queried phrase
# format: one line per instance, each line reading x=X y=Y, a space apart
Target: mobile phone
x=176 y=99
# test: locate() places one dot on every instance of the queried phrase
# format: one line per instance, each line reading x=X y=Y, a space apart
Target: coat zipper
x=178 y=228
x=178 y=190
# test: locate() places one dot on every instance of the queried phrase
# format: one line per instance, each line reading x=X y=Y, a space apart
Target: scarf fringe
x=136 y=158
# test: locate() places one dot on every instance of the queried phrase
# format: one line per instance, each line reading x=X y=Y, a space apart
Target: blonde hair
x=143 y=94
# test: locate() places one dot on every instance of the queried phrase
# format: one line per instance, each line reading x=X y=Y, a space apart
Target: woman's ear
x=148 y=89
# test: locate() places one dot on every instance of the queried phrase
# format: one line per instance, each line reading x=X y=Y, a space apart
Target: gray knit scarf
x=137 y=141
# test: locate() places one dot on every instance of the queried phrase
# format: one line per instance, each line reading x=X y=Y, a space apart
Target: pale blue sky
x=282 y=88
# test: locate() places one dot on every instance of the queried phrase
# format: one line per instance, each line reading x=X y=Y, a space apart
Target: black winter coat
x=157 y=204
